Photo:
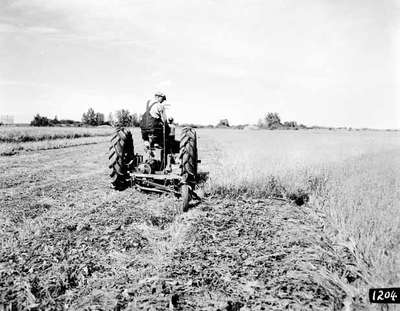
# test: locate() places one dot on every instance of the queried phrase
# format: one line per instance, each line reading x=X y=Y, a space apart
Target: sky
x=319 y=62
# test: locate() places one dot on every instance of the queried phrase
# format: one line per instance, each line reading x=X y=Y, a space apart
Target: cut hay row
x=31 y=134
x=11 y=149
x=283 y=262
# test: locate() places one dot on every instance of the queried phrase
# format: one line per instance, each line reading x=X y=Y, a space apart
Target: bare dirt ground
x=69 y=241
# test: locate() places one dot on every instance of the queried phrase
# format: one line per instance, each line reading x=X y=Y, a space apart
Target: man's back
x=154 y=118
x=157 y=110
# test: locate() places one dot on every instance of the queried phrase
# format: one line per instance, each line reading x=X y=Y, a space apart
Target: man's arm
x=161 y=112
x=163 y=115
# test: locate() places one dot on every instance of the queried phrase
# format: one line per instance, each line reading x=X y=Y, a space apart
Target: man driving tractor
x=154 y=119
x=166 y=165
x=154 y=122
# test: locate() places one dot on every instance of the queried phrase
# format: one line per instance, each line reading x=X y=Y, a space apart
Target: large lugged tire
x=121 y=155
x=188 y=154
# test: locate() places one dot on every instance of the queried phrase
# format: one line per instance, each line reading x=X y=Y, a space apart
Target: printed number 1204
x=384 y=295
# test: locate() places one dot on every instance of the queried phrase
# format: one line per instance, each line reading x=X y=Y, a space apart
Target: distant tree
x=38 y=120
x=290 y=124
x=240 y=126
x=223 y=123
x=123 y=118
x=110 y=118
x=89 y=117
x=192 y=125
x=99 y=118
x=272 y=120
x=69 y=122
x=135 y=120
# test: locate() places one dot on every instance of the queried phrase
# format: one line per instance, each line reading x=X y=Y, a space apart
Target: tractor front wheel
x=121 y=156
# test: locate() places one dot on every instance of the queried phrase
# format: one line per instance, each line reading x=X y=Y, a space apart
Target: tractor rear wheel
x=121 y=156
x=188 y=155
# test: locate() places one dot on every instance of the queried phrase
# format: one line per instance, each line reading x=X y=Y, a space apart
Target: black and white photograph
x=200 y=155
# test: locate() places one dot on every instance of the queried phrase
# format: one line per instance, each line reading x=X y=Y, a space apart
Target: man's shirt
x=157 y=111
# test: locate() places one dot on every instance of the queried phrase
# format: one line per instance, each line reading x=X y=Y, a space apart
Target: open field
x=16 y=139
x=18 y=134
x=11 y=149
x=68 y=241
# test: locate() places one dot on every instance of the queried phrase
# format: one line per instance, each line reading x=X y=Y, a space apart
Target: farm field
x=16 y=139
x=20 y=134
x=68 y=241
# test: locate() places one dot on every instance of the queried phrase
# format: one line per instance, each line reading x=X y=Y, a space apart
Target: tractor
x=166 y=166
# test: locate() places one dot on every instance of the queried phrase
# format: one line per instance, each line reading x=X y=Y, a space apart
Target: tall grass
x=31 y=134
x=361 y=199
x=16 y=139
x=10 y=149
x=351 y=177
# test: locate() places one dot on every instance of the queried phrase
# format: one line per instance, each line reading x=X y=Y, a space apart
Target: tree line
x=121 y=117
x=124 y=117
x=272 y=121
x=39 y=120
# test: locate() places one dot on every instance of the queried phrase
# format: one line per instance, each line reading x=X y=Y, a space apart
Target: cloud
x=6 y=28
x=165 y=84
x=316 y=52
x=23 y=83
x=42 y=30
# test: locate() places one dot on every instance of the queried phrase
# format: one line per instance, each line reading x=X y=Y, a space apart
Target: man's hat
x=161 y=95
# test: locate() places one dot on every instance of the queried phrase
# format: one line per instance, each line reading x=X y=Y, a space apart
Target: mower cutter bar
x=142 y=188
x=156 y=176
x=148 y=185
